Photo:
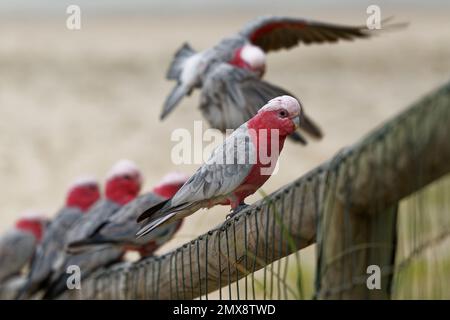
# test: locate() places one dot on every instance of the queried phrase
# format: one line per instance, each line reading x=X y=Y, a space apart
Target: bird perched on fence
x=230 y=73
x=18 y=244
x=235 y=169
x=82 y=194
x=121 y=228
x=122 y=186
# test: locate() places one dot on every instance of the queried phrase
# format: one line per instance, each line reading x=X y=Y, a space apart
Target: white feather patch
x=254 y=56
x=83 y=181
x=124 y=167
x=32 y=215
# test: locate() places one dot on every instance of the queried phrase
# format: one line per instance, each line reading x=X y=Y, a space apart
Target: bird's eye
x=127 y=177
x=283 y=113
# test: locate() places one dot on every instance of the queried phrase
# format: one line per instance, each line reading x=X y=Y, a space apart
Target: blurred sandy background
x=74 y=102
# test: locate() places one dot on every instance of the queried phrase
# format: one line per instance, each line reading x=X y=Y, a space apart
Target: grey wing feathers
x=274 y=33
x=88 y=262
x=122 y=226
x=51 y=251
x=16 y=249
x=225 y=170
x=180 y=57
x=91 y=220
x=231 y=96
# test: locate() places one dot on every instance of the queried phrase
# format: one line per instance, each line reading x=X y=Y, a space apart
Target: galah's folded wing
x=50 y=252
x=99 y=213
x=274 y=33
x=225 y=170
x=88 y=262
x=16 y=249
x=231 y=96
x=122 y=225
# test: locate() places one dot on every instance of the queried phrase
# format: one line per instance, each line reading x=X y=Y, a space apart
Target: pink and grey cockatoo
x=230 y=73
x=121 y=228
x=235 y=169
x=82 y=194
x=18 y=244
x=123 y=185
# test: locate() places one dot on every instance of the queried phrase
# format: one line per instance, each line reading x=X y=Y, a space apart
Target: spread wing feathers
x=121 y=227
x=88 y=262
x=180 y=57
x=225 y=170
x=274 y=33
x=231 y=96
x=92 y=220
x=51 y=251
x=16 y=249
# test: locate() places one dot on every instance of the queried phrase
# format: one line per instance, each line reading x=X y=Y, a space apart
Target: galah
x=121 y=228
x=82 y=194
x=122 y=186
x=18 y=244
x=235 y=169
x=229 y=73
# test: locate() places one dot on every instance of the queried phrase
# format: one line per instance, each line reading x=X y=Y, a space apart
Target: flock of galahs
x=93 y=230
x=90 y=231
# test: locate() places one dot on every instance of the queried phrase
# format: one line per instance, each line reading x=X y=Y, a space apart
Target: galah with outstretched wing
x=121 y=228
x=18 y=244
x=82 y=194
x=235 y=169
x=229 y=74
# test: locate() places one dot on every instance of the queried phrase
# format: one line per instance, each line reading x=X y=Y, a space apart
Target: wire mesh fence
x=350 y=206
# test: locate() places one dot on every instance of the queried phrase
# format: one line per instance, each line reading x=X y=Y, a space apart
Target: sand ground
x=73 y=102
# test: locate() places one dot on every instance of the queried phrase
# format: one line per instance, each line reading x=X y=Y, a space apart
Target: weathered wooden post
x=364 y=186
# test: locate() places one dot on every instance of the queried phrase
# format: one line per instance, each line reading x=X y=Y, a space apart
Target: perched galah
x=18 y=244
x=235 y=169
x=82 y=194
x=229 y=74
x=122 y=186
x=121 y=228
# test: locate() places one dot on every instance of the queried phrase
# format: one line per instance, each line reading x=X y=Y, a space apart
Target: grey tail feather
x=309 y=126
x=297 y=137
x=147 y=213
x=153 y=224
x=175 y=96
x=85 y=244
x=180 y=57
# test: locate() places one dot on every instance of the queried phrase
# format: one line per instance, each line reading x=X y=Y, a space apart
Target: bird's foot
x=238 y=209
